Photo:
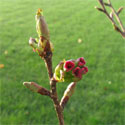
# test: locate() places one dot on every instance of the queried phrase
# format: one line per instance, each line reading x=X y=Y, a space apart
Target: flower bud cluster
x=70 y=70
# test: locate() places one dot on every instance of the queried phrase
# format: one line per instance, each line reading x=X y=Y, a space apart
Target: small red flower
x=69 y=65
x=77 y=72
x=81 y=61
x=84 y=70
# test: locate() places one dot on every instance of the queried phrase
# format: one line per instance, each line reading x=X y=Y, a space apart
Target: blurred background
x=76 y=30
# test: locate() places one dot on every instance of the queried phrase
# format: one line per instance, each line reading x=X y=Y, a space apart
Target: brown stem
x=47 y=56
x=44 y=91
x=117 y=16
x=56 y=102
x=103 y=9
x=48 y=62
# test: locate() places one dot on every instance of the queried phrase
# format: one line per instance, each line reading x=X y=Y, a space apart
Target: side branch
x=117 y=16
x=37 y=88
x=110 y=16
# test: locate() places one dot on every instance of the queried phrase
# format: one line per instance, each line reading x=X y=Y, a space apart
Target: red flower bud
x=84 y=70
x=68 y=66
x=81 y=61
x=77 y=72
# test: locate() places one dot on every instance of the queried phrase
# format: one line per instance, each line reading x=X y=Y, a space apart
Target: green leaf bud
x=41 y=25
x=32 y=86
x=58 y=75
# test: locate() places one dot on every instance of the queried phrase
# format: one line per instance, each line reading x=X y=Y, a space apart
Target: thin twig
x=120 y=29
x=120 y=10
x=37 y=88
x=117 y=16
x=44 y=91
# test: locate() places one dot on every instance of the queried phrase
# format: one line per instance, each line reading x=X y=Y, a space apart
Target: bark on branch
x=48 y=61
x=57 y=106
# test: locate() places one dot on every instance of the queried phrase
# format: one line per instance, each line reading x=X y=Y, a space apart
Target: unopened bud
x=32 y=86
x=41 y=25
x=67 y=94
x=70 y=89
x=32 y=42
x=58 y=75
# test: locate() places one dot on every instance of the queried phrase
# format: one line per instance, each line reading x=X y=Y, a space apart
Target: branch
x=46 y=55
x=54 y=97
x=67 y=94
x=120 y=10
x=117 y=16
x=34 y=87
x=110 y=16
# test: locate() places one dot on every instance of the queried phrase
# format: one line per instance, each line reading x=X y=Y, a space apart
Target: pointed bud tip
x=26 y=83
x=95 y=7
x=31 y=85
x=39 y=12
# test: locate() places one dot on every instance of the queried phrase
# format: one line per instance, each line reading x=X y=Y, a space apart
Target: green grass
x=96 y=101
